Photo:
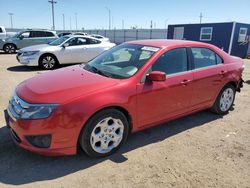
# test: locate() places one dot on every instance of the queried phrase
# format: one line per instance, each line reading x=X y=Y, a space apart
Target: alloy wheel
x=106 y=135
x=48 y=62
x=226 y=100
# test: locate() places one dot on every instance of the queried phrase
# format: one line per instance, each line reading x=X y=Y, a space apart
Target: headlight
x=37 y=111
x=30 y=53
x=23 y=110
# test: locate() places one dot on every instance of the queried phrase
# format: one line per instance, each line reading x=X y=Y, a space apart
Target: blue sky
x=92 y=14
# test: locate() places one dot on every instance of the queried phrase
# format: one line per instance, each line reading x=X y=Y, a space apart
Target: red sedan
x=131 y=87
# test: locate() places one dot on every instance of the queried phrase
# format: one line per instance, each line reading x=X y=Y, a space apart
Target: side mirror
x=156 y=76
x=65 y=45
x=21 y=37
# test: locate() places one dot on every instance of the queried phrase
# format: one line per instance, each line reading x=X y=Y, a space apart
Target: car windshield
x=59 y=41
x=122 y=61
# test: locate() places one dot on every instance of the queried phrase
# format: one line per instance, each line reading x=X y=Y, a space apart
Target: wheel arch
x=10 y=43
x=119 y=108
x=48 y=53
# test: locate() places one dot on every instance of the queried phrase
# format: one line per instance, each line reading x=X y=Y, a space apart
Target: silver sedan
x=65 y=50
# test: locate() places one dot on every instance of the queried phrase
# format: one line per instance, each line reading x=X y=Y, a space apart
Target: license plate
x=7 y=118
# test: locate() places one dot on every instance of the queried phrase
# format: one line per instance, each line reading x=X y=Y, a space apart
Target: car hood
x=40 y=47
x=62 y=85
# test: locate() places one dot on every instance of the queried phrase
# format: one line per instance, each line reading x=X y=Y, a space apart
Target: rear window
x=1 y=30
x=49 y=34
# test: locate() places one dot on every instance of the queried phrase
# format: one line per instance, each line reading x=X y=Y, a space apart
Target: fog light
x=41 y=141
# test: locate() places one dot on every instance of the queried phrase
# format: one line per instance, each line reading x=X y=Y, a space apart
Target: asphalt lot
x=201 y=150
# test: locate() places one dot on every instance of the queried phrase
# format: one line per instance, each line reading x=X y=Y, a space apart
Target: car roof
x=85 y=36
x=163 y=43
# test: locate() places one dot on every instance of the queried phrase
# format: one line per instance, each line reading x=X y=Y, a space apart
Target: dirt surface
x=201 y=150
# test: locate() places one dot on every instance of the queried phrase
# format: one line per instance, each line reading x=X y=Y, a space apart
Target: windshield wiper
x=98 y=71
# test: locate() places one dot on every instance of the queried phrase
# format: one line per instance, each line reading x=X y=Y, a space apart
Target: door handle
x=185 y=82
x=222 y=72
x=84 y=48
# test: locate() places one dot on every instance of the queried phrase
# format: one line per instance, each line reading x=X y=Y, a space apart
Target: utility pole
x=122 y=24
x=151 y=24
x=76 y=20
x=53 y=17
x=201 y=16
x=70 y=23
x=11 y=23
x=109 y=11
x=165 y=23
x=63 y=22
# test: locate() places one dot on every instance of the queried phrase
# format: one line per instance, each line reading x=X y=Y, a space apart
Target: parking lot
x=201 y=150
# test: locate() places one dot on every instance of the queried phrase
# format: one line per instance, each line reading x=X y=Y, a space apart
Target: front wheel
x=9 y=48
x=104 y=133
x=225 y=100
x=47 y=62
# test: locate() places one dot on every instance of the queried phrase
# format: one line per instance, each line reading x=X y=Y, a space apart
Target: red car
x=131 y=87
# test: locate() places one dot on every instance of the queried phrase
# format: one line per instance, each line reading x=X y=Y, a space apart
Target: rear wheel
x=104 y=133
x=225 y=100
x=47 y=62
x=9 y=48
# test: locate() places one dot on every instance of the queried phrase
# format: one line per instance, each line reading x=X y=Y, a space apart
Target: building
x=232 y=37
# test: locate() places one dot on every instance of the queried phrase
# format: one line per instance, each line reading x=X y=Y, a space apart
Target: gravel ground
x=201 y=150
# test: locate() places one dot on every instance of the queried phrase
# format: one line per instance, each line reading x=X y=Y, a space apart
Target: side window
x=206 y=34
x=35 y=34
x=203 y=57
x=93 y=41
x=25 y=34
x=1 y=30
x=81 y=41
x=72 y=42
x=218 y=59
x=242 y=34
x=172 y=62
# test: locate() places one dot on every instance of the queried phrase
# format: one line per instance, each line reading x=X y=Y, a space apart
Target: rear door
x=157 y=101
x=209 y=72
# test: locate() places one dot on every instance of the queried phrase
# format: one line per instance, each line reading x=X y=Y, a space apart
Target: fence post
x=114 y=36
x=136 y=37
x=150 y=35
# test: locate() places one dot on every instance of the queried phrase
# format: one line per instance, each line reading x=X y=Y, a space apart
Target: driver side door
x=73 y=52
x=159 y=101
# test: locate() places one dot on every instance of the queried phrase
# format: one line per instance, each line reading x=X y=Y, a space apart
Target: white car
x=100 y=37
x=65 y=50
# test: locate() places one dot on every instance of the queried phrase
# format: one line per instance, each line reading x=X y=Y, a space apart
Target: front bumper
x=28 y=60
x=61 y=142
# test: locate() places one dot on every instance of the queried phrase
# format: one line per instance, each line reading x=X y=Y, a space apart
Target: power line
x=53 y=17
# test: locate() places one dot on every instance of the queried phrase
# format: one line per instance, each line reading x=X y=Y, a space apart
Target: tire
x=225 y=100
x=104 y=133
x=9 y=48
x=48 y=62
